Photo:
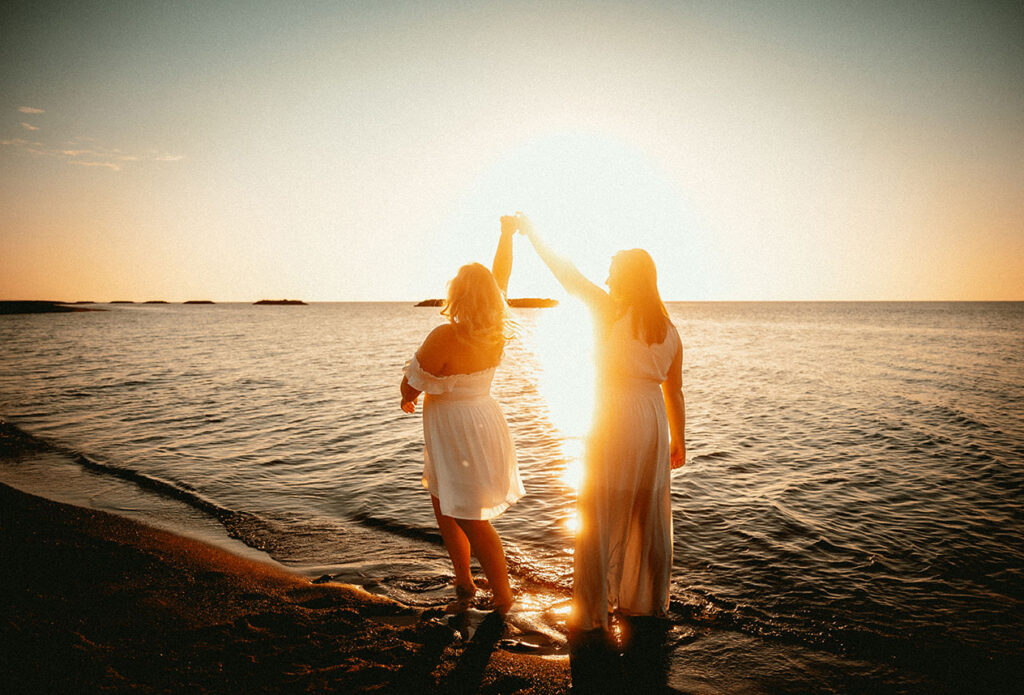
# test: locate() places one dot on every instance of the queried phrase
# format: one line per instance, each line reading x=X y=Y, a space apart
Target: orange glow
x=743 y=167
x=572 y=523
x=561 y=609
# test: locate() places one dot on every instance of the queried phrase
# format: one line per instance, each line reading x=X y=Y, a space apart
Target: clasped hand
x=510 y=224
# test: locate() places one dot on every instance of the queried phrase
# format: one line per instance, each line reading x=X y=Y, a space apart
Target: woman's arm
x=409 y=396
x=568 y=276
x=675 y=408
x=432 y=357
x=502 y=266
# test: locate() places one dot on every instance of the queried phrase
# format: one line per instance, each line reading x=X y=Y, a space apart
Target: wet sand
x=94 y=602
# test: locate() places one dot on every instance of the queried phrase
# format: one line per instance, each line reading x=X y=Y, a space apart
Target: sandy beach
x=97 y=602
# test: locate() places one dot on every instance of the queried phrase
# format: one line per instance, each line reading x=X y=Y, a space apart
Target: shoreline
x=96 y=601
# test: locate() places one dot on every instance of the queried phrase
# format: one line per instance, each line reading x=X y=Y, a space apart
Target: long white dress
x=623 y=555
x=469 y=459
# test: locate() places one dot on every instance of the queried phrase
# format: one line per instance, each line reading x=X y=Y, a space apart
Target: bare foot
x=503 y=608
x=463 y=600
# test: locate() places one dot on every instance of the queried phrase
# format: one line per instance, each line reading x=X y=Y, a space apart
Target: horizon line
x=414 y=301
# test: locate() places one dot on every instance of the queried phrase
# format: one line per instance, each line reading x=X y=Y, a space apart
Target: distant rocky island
x=39 y=307
x=282 y=302
x=533 y=303
x=122 y=301
x=156 y=301
x=519 y=303
x=199 y=301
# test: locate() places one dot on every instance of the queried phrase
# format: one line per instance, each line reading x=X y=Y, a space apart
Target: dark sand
x=96 y=602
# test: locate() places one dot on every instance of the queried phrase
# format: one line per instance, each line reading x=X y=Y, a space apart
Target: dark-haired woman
x=623 y=553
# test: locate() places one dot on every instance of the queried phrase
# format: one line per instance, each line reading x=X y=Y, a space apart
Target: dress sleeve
x=663 y=354
x=424 y=381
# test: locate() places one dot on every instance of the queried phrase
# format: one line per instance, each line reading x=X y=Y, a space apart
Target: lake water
x=849 y=518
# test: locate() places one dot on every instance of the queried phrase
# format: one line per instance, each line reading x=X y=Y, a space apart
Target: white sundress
x=623 y=556
x=469 y=459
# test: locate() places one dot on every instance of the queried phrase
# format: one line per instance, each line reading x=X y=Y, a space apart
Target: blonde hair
x=637 y=290
x=475 y=306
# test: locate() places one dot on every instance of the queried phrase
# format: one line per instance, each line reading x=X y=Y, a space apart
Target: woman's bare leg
x=457 y=545
x=487 y=547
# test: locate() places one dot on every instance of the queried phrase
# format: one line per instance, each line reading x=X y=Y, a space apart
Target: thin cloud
x=93 y=154
x=29 y=109
x=29 y=126
x=108 y=165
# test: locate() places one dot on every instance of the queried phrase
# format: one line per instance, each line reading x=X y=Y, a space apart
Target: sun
x=589 y=195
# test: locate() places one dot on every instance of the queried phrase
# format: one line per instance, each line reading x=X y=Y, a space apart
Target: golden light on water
x=562 y=342
x=561 y=609
x=572 y=523
x=572 y=474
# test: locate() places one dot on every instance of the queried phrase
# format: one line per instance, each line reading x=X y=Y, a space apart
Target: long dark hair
x=637 y=290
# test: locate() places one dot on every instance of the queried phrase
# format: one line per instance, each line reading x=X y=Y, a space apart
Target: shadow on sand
x=467 y=675
x=639 y=664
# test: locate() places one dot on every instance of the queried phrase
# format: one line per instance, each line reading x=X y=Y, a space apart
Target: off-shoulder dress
x=469 y=458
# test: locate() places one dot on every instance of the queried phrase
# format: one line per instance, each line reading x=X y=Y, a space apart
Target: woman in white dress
x=623 y=554
x=470 y=462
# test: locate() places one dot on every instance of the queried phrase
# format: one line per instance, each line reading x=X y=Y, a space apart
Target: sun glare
x=572 y=523
x=589 y=194
x=572 y=474
x=564 y=345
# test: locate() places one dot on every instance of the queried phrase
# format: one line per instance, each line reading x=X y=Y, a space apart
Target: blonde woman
x=623 y=554
x=470 y=462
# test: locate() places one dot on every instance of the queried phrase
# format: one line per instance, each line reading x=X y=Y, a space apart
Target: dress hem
x=484 y=514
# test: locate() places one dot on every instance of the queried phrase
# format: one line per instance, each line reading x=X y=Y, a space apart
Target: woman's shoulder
x=446 y=351
x=441 y=335
x=436 y=349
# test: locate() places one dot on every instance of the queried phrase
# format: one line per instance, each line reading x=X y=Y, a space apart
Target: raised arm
x=568 y=276
x=675 y=408
x=502 y=266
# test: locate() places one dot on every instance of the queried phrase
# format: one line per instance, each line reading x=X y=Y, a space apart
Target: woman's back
x=625 y=358
x=445 y=352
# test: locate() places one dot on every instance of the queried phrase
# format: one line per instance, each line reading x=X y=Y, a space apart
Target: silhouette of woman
x=470 y=462
x=623 y=554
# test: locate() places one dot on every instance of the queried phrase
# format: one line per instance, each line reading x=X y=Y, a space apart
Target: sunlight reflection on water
x=563 y=342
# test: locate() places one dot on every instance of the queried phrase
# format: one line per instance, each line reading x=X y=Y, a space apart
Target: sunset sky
x=363 y=151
